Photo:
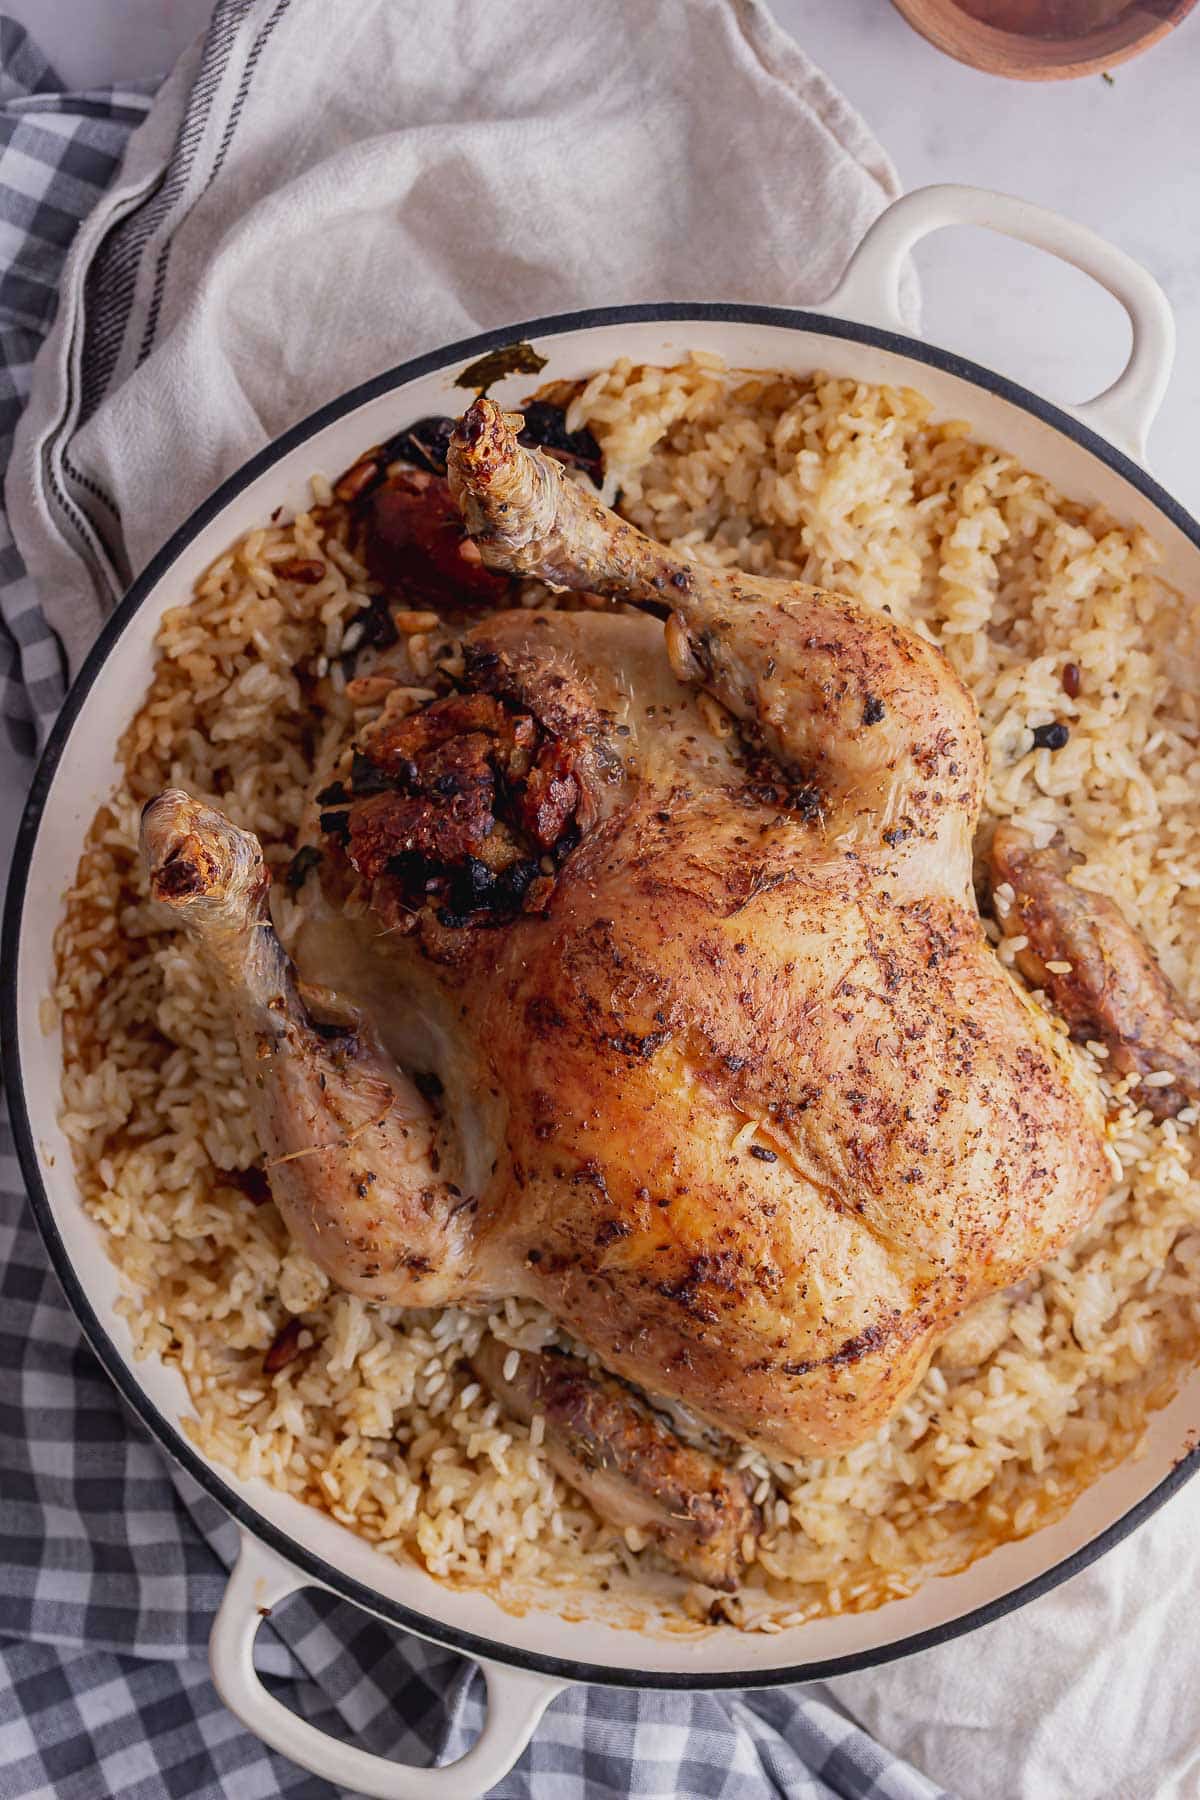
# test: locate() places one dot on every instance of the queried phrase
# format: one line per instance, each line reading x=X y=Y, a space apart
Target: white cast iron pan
x=1090 y=452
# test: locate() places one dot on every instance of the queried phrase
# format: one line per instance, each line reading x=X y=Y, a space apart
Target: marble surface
x=1110 y=155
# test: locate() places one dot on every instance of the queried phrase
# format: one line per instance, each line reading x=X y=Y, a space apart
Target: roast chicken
x=645 y=979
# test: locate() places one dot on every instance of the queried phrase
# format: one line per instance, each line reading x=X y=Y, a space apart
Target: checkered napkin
x=112 y=1563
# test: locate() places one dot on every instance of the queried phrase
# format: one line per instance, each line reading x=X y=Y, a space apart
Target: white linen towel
x=402 y=176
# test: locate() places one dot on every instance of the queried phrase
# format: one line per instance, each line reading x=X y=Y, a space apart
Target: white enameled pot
x=1094 y=452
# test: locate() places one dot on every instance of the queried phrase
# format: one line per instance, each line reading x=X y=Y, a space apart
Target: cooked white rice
x=377 y=1419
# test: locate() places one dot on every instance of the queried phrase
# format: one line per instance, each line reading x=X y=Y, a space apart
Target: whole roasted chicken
x=646 y=979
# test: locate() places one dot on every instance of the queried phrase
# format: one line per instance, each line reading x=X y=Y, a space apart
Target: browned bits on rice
x=307 y=570
x=284 y=1349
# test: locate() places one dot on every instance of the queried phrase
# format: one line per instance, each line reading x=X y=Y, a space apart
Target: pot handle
x=260 y=1580
x=869 y=291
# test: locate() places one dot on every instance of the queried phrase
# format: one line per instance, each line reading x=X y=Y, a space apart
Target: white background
x=1124 y=159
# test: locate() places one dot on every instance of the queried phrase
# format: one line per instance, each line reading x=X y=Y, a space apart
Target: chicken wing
x=608 y=1444
x=1096 y=970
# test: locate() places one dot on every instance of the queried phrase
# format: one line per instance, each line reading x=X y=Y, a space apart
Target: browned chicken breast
x=673 y=930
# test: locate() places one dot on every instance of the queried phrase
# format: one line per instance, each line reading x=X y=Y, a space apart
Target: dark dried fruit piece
x=1050 y=737
x=301 y=867
x=376 y=626
x=416 y=543
x=366 y=777
x=285 y=1348
x=335 y=824
x=513 y=883
x=545 y=428
x=424 y=444
x=472 y=886
x=306 y=570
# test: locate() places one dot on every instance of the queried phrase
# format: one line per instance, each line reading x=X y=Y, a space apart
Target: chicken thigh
x=671 y=927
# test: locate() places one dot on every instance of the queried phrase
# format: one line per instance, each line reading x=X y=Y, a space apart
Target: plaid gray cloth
x=112 y=1562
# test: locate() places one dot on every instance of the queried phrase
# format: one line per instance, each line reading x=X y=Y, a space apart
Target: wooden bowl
x=1043 y=40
